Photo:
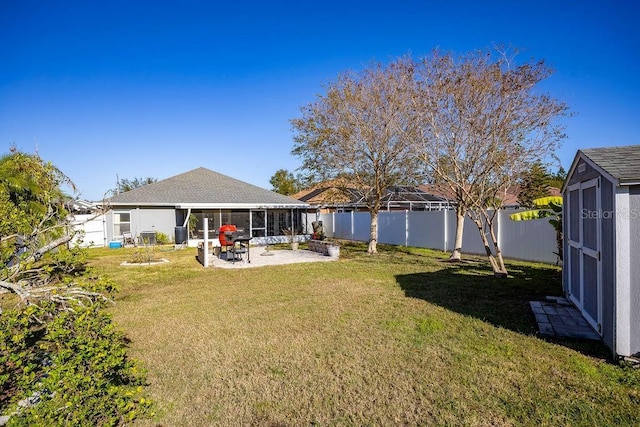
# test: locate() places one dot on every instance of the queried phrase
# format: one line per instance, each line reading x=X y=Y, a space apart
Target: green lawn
x=400 y=338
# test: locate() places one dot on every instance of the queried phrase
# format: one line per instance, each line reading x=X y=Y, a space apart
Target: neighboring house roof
x=437 y=190
x=81 y=206
x=622 y=163
x=327 y=195
x=331 y=191
x=509 y=196
x=204 y=188
x=410 y=193
x=332 y=194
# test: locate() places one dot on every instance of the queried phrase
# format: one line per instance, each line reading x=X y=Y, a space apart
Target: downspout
x=186 y=218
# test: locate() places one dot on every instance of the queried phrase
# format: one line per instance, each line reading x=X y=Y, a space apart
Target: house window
x=258 y=224
x=121 y=223
x=237 y=217
x=279 y=220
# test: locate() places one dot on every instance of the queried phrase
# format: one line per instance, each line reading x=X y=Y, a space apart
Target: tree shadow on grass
x=470 y=289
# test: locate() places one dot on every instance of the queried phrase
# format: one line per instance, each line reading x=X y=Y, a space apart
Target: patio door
x=585 y=265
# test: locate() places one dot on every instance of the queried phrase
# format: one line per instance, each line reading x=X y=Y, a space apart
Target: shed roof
x=623 y=163
x=206 y=188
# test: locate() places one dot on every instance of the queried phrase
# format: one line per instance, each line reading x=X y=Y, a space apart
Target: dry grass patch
x=400 y=338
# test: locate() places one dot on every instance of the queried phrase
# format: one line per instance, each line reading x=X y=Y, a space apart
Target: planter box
x=321 y=246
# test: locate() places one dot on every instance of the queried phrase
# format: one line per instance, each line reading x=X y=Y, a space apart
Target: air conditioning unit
x=148 y=238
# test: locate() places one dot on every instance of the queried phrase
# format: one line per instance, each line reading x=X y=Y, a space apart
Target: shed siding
x=577 y=176
x=608 y=263
x=634 y=236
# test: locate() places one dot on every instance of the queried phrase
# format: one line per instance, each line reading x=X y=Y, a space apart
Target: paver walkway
x=558 y=318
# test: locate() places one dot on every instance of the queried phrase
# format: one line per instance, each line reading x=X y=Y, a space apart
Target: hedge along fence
x=533 y=240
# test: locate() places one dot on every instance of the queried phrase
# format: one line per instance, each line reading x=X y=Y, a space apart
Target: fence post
x=333 y=224
x=446 y=231
x=406 y=228
x=352 y=226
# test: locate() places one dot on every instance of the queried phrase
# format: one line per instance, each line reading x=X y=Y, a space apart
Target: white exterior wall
x=162 y=220
x=633 y=218
x=158 y=219
x=627 y=279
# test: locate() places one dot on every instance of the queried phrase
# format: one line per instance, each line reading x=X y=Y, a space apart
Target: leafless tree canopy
x=472 y=123
x=360 y=129
x=483 y=124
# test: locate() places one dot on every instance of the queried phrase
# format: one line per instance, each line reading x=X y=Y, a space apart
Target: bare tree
x=483 y=124
x=359 y=129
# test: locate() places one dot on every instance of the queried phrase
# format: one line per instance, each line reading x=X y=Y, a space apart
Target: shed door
x=585 y=266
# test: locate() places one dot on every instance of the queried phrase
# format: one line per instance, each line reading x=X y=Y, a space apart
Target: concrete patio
x=260 y=256
x=558 y=318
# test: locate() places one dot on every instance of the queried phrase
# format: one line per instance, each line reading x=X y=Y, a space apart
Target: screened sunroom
x=264 y=225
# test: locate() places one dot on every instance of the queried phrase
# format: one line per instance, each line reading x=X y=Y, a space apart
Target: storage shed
x=601 y=274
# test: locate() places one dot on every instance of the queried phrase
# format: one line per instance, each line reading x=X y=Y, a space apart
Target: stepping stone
x=541 y=318
x=558 y=318
x=536 y=307
x=546 y=329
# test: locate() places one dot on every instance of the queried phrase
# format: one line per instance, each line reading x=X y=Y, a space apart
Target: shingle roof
x=202 y=186
x=622 y=163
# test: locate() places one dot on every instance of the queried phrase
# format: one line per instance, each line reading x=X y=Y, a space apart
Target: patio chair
x=127 y=238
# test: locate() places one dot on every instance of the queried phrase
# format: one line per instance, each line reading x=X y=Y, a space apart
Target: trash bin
x=180 y=235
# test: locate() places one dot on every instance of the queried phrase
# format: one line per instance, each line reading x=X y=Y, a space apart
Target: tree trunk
x=502 y=269
x=456 y=254
x=373 y=238
x=497 y=264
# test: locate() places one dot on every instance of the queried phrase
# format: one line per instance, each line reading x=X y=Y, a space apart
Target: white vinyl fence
x=93 y=228
x=533 y=240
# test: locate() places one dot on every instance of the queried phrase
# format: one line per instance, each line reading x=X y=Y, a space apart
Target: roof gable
x=622 y=163
x=202 y=186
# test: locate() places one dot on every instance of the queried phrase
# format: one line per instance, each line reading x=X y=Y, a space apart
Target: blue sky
x=137 y=89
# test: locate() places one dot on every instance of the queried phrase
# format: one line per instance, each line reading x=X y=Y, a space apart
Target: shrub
x=162 y=239
x=142 y=254
x=73 y=367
